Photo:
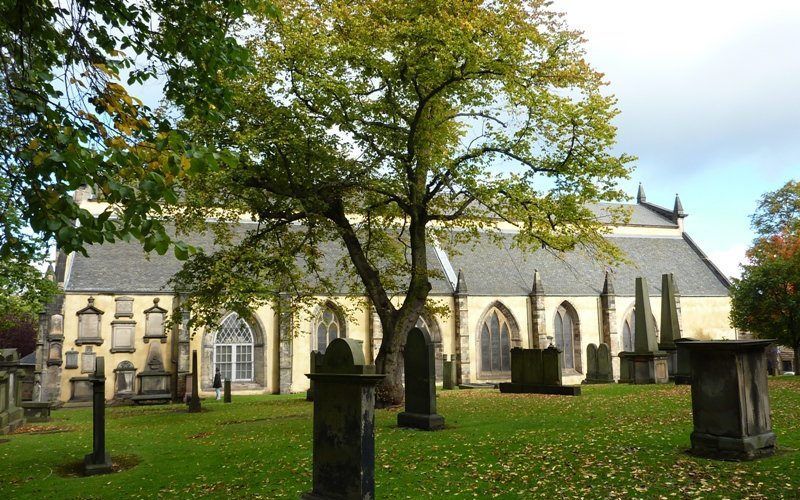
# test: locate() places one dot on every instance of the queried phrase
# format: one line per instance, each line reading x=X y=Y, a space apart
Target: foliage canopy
x=380 y=126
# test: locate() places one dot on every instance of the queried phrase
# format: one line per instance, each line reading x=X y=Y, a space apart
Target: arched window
x=629 y=331
x=327 y=327
x=627 y=336
x=495 y=344
x=565 y=335
x=233 y=349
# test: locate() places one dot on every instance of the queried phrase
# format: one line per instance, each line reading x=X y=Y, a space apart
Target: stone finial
x=678 y=209
x=461 y=283
x=91 y=301
x=608 y=284
x=537 y=288
x=645 y=340
x=640 y=197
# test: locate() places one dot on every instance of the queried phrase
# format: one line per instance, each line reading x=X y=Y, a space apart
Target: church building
x=116 y=302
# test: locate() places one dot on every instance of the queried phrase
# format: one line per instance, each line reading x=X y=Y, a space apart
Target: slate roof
x=501 y=271
x=640 y=215
x=125 y=268
x=489 y=270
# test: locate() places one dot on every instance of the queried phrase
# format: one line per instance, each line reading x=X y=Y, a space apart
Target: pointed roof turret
x=608 y=285
x=50 y=274
x=537 y=288
x=678 y=209
x=461 y=283
x=640 y=197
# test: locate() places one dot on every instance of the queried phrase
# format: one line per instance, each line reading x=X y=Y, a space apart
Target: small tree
x=18 y=332
x=381 y=124
x=766 y=299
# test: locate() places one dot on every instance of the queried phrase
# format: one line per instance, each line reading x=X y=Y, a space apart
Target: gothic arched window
x=565 y=335
x=233 y=349
x=327 y=327
x=495 y=343
x=627 y=336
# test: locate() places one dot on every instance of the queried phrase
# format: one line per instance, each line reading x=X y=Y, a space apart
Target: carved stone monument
x=154 y=380
x=194 y=399
x=98 y=461
x=420 y=384
x=598 y=363
x=537 y=371
x=730 y=399
x=344 y=421
x=448 y=372
x=646 y=364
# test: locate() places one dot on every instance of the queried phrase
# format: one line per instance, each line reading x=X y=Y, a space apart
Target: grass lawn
x=614 y=441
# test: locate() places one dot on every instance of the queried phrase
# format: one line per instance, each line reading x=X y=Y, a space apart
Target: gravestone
x=98 y=461
x=420 y=384
x=314 y=363
x=226 y=397
x=730 y=399
x=605 y=370
x=344 y=421
x=537 y=371
x=449 y=372
x=11 y=412
x=646 y=364
x=591 y=364
x=194 y=400
x=599 y=369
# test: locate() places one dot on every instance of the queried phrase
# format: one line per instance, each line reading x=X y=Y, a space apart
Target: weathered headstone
x=315 y=362
x=226 y=396
x=448 y=372
x=591 y=364
x=420 y=384
x=730 y=399
x=599 y=369
x=537 y=371
x=11 y=413
x=344 y=421
x=98 y=461
x=605 y=369
x=646 y=364
x=194 y=400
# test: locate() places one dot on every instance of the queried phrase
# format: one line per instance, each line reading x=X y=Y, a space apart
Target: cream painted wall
x=702 y=318
x=106 y=303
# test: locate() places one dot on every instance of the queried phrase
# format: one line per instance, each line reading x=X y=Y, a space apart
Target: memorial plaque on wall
x=88 y=362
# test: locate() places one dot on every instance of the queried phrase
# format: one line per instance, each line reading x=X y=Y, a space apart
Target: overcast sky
x=710 y=97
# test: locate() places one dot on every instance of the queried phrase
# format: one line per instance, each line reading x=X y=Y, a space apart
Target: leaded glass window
x=495 y=343
x=327 y=328
x=233 y=349
x=627 y=336
x=565 y=336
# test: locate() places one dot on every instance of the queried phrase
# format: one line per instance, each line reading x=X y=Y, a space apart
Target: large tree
x=766 y=299
x=383 y=124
